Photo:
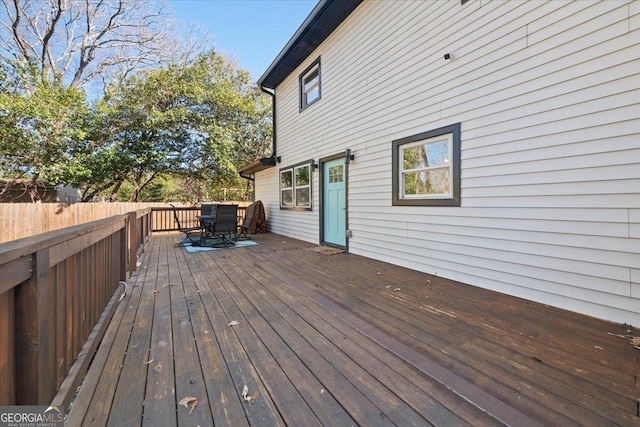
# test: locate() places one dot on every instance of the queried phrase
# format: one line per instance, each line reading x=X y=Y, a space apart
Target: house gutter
x=325 y=17
x=272 y=94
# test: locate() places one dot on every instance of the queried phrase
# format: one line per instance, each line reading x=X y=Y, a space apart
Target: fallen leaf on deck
x=158 y=368
x=597 y=347
x=234 y=323
x=146 y=363
x=245 y=393
x=634 y=341
x=617 y=335
x=396 y=289
x=388 y=286
x=189 y=401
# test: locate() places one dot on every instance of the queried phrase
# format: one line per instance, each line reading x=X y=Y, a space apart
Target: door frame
x=321 y=163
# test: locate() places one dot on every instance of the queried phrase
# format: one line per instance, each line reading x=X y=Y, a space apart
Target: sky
x=251 y=31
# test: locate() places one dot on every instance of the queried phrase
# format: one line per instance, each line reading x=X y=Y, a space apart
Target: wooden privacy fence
x=58 y=291
x=18 y=220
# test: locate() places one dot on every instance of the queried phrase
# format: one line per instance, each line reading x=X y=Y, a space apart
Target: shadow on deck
x=344 y=340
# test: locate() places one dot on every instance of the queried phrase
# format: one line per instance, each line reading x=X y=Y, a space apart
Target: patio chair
x=246 y=224
x=209 y=209
x=223 y=230
x=189 y=232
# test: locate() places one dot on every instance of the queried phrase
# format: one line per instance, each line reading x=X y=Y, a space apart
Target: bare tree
x=82 y=42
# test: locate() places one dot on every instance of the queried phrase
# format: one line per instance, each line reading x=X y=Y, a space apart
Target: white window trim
x=402 y=194
x=294 y=206
x=283 y=206
x=297 y=187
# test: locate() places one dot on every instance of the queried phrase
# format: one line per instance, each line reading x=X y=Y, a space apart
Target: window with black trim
x=310 y=85
x=426 y=168
x=295 y=186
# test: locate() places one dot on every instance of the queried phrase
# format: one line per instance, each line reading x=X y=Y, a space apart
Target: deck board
x=328 y=340
x=233 y=358
x=220 y=375
x=457 y=328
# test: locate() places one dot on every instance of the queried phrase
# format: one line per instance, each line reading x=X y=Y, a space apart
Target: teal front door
x=333 y=202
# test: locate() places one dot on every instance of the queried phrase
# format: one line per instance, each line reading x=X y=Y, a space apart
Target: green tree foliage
x=163 y=118
x=40 y=130
x=201 y=120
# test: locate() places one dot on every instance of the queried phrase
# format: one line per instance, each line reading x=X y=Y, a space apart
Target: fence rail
x=54 y=288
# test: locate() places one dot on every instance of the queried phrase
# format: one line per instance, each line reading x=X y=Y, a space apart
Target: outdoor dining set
x=219 y=225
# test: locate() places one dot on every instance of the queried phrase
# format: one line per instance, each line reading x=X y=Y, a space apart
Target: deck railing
x=58 y=291
x=163 y=219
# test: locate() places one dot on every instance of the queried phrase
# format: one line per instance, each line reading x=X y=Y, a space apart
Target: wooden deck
x=344 y=340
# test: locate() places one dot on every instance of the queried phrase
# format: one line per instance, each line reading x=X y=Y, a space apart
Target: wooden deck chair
x=189 y=232
x=223 y=231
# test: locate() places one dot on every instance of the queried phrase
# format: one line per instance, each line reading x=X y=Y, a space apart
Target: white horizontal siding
x=295 y=224
x=548 y=97
x=634 y=223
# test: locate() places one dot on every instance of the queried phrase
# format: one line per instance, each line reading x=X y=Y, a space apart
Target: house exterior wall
x=548 y=97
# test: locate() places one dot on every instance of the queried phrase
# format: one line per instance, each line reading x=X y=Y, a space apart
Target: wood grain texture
x=326 y=338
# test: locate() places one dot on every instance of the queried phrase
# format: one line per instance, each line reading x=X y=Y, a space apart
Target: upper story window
x=426 y=168
x=310 y=85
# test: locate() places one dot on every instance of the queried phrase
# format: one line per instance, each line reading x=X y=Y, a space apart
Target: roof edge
x=325 y=17
x=257 y=166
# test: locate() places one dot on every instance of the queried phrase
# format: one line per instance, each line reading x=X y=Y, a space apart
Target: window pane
x=426 y=168
x=286 y=179
x=313 y=94
x=336 y=174
x=427 y=182
x=302 y=197
x=431 y=154
x=286 y=198
x=302 y=175
x=311 y=79
x=310 y=85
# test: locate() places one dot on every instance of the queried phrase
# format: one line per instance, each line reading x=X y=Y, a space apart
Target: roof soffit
x=321 y=22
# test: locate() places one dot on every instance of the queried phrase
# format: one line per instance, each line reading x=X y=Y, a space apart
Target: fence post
x=7 y=355
x=123 y=271
x=149 y=223
x=133 y=244
x=35 y=335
